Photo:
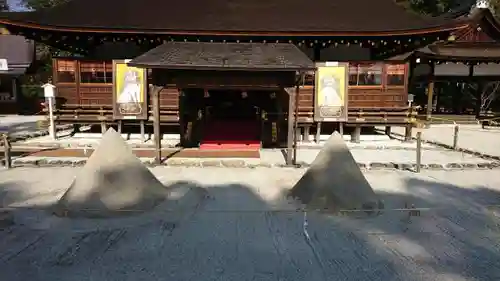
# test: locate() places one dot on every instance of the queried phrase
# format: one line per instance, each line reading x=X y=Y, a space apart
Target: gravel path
x=245 y=230
x=470 y=137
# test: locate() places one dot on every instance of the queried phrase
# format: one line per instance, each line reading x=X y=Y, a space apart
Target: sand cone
x=113 y=181
x=334 y=180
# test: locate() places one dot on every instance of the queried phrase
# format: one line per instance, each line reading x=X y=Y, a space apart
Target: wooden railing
x=491 y=120
x=386 y=116
x=78 y=113
x=360 y=115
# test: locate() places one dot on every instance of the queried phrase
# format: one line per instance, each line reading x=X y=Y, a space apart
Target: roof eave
x=428 y=30
x=220 y=68
x=456 y=58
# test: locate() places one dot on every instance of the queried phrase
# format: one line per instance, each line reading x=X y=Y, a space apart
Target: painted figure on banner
x=330 y=91
x=129 y=96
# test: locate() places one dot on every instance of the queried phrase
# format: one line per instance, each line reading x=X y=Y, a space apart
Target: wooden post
x=143 y=131
x=155 y=91
x=341 y=129
x=76 y=128
x=290 y=137
x=388 y=130
x=455 y=137
x=318 y=132
x=103 y=127
x=296 y=121
x=430 y=93
x=183 y=121
x=7 y=154
x=298 y=133
x=479 y=94
x=119 y=125
x=307 y=130
x=408 y=132
x=356 y=134
x=419 y=152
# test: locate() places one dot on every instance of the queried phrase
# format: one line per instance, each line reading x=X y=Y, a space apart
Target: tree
x=41 y=4
x=4 y=6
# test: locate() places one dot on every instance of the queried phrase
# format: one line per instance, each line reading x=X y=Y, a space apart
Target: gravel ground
x=244 y=229
x=470 y=137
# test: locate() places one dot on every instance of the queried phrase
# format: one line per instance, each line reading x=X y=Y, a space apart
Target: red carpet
x=231 y=135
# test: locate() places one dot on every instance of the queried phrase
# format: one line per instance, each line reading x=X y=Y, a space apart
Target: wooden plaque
x=331 y=92
x=129 y=92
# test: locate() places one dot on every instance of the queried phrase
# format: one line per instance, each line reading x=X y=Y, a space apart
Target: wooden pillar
x=155 y=91
x=318 y=132
x=341 y=129
x=119 y=125
x=479 y=94
x=290 y=136
x=279 y=125
x=356 y=134
x=430 y=92
x=182 y=118
x=14 y=93
x=388 y=130
x=296 y=121
x=7 y=147
x=298 y=133
x=76 y=128
x=103 y=127
x=143 y=130
x=408 y=132
x=307 y=130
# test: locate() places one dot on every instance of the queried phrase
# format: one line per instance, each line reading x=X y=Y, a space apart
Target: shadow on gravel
x=235 y=232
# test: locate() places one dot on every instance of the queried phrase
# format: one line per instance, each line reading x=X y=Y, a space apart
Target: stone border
x=168 y=146
x=382 y=147
x=51 y=162
x=36 y=134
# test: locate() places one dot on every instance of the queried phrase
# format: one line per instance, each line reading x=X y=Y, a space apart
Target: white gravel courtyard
x=244 y=229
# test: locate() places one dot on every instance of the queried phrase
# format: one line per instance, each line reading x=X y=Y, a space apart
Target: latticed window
x=66 y=71
x=364 y=74
x=395 y=74
x=96 y=72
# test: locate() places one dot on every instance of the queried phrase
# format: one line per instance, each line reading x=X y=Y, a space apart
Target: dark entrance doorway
x=233 y=119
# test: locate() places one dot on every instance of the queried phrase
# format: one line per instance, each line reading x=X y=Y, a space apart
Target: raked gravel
x=246 y=230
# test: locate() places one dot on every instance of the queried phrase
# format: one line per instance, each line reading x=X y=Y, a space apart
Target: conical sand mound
x=113 y=182
x=334 y=180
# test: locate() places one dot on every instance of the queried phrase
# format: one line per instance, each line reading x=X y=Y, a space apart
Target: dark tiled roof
x=220 y=56
x=18 y=51
x=238 y=16
x=462 y=51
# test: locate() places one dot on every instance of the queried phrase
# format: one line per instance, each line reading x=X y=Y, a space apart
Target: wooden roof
x=483 y=26
x=462 y=52
x=232 y=17
x=480 y=41
x=225 y=56
x=19 y=53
